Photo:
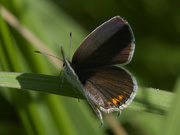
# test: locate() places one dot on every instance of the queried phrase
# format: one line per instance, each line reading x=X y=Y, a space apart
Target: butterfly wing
x=110 y=43
x=108 y=88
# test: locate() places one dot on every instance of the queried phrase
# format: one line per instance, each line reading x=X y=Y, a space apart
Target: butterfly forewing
x=111 y=43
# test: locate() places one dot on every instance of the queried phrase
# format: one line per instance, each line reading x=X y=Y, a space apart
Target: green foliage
x=147 y=99
x=155 y=64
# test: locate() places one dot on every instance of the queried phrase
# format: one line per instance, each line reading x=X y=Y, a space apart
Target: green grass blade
x=147 y=99
x=37 y=82
x=152 y=100
x=171 y=126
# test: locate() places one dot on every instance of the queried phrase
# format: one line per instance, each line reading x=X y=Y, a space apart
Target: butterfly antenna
x=70 y=46
x=48 y=55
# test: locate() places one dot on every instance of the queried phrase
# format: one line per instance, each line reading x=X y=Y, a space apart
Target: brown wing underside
x=109 y=44
x=108 y=87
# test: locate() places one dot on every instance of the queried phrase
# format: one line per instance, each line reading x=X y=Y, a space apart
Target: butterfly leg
x=76 y=93
x=62 y=76
x=119 y=113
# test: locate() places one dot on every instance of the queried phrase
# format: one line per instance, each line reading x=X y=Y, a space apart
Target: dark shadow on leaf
x=47 y=84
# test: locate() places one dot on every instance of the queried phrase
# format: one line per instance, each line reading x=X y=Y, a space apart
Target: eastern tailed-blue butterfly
x=106 y=87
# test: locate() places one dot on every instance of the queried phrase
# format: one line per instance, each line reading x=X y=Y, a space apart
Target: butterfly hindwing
x=111 y=88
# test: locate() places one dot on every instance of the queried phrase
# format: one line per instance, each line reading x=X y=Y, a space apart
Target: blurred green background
x=156 y=63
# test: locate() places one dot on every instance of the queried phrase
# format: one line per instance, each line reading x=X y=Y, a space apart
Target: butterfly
x=106 y=87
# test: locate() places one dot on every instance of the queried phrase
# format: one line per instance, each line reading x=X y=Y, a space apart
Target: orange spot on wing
x=124 y=92
x=109 y=102
x=115 y=100
x=120 y=97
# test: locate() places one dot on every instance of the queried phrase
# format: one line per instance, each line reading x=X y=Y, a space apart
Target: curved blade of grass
x=171 y=126
x=37 y=82
x=147 y=99
x=152 y=100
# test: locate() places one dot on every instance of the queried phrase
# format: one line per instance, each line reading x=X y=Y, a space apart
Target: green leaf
x=37 y=82
x=152 y=100
x=147 y=99
x=171 y=126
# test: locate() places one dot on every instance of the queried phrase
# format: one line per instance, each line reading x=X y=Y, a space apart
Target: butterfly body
x=71 y=75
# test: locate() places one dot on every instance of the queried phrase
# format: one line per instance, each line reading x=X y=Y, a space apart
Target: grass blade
x=147 y=99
